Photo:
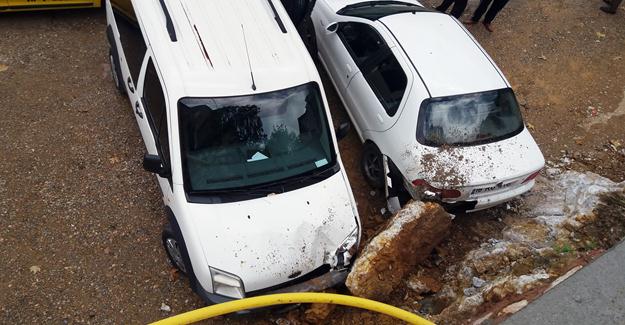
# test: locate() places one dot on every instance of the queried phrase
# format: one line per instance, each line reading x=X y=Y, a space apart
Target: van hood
x=275 y=239
x=467 y=167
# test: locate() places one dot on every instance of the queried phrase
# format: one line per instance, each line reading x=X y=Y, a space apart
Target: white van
x=236 y=125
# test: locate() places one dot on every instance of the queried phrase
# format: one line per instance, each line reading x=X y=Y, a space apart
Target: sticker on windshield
x=321 y=162
x=257 y=156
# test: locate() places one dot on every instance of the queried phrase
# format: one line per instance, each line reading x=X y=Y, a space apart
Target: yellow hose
x=292 y=298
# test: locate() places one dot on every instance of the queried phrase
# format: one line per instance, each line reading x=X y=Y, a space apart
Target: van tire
x=116 y=72
x=175 y=248
x=372 y=165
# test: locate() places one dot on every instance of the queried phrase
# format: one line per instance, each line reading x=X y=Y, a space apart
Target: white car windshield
x=470 y=119
x=238 y=142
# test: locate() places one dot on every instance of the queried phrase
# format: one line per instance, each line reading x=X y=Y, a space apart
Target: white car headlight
x=347 y=250
x=226 y=284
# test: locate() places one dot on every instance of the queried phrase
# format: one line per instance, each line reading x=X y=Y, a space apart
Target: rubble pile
x=389 y=257
x=537 y=242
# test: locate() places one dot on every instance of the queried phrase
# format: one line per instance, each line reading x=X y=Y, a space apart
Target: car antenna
x=248 y=58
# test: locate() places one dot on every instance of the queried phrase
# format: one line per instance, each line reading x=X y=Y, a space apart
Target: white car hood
x=265 y=241
x=457 y=167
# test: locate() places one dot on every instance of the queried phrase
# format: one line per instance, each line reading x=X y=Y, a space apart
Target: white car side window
x=377 y=63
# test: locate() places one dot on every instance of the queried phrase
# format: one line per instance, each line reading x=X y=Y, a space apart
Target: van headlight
x=345 y=253
x=226 y=284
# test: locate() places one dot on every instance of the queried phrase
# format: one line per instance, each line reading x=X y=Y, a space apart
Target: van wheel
x=372 y=165
x=116 y=72
x=175 y=248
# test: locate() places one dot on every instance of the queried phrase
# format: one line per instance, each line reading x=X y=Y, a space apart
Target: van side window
x=133 y=43
x=156 y=109
x=388 y=81
x=361 y=40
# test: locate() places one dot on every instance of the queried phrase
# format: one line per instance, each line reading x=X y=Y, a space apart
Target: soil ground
x=80 y=221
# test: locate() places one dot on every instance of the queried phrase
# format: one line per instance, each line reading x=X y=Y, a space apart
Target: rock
x=469 y=291
x=477 y=282
x=469 y=303
x=35 y=269
x=527 y=282
x=282 y=321
x=318 y=313
x=421 y=284
x=515 y=307
x=483 y=320
x=165 y=307
x=408 y=239
x=3 y=67
x=551 y=172
x=564 y=277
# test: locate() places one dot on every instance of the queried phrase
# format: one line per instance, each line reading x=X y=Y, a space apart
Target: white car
x=236 y=125
x=424 y=94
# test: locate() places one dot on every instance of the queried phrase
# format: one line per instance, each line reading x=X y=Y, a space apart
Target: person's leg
x=614 y=4
x=444 y=5
x=481 y=9
x=494 y=10
x=458 y=8
x=611 y=6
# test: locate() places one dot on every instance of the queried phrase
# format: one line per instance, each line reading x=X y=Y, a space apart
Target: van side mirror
x=343 y=130
x=154 y=164
x=332 y=28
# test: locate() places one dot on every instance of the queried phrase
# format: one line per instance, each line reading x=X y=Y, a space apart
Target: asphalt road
x=593 y=295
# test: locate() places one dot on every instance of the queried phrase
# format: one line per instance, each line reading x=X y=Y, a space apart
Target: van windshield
x=247 y=141
x=471 y=119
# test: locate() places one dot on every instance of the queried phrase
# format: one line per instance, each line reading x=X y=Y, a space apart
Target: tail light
x=444 y=194
x=532 y=176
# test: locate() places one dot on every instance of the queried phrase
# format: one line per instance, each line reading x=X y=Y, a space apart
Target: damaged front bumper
x=315 y=281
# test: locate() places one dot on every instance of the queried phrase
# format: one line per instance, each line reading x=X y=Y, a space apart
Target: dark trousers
x=614 y=4
x=457 y=10
x=495 y=8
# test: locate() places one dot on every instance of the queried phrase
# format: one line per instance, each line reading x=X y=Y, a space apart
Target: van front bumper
x=305 y=283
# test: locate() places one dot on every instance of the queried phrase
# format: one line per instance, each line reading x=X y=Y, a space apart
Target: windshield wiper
x=315 y=174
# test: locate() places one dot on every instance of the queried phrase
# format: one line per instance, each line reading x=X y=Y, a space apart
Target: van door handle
x=130 y=87
x=137 y=110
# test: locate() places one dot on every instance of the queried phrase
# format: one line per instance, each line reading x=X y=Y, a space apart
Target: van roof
x=449 y=61
x=220 y=44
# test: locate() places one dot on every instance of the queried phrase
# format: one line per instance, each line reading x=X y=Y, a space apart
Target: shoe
x=488 y=27
x=608 y=10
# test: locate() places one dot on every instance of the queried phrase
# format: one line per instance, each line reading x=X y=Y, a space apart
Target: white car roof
x=213 y=40
x=445 y=55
